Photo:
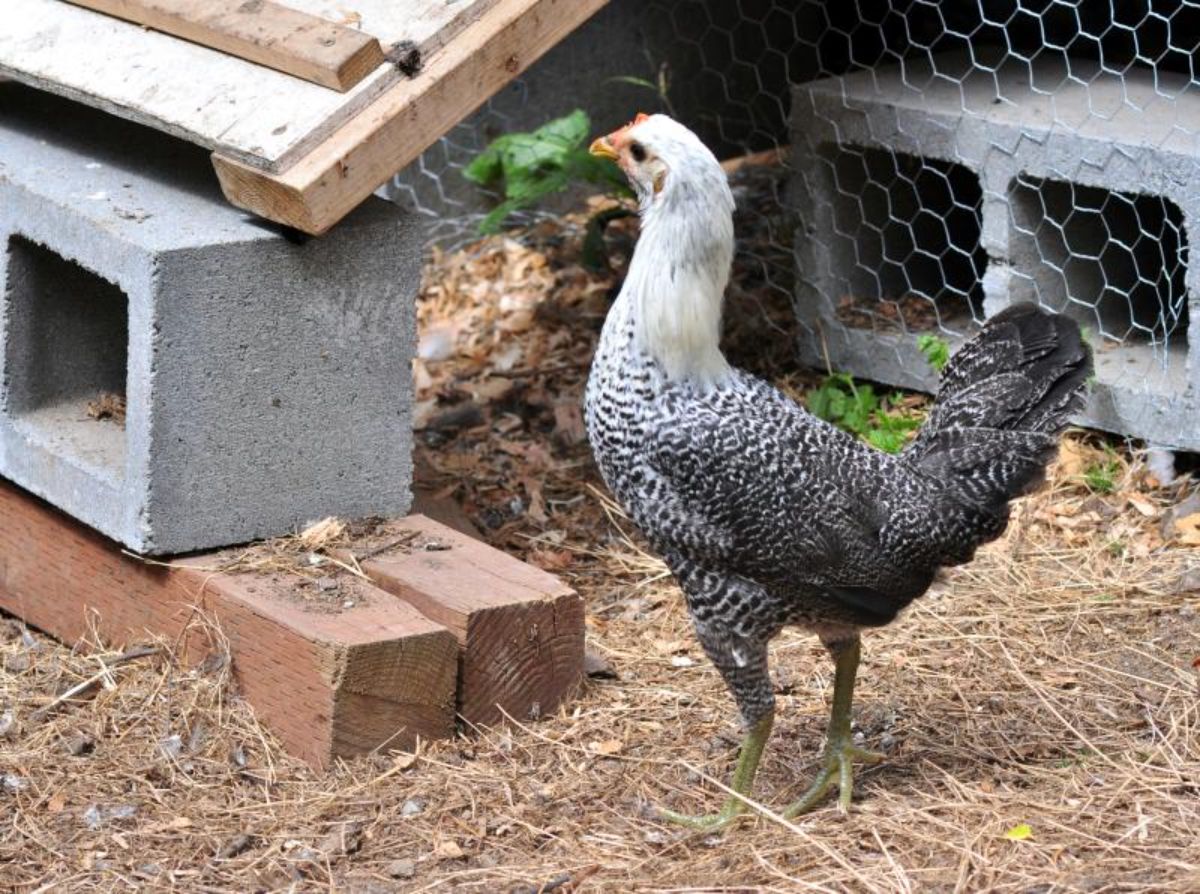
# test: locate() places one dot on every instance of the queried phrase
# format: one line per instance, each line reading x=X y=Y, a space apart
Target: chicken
x=766 y=515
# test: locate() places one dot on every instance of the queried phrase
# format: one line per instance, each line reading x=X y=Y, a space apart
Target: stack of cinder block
x=974 y=188
x=178 y=376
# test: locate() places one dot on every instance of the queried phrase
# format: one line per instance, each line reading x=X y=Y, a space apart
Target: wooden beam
x=328 y=684
x=520 y=629
x=357 y=158
x=260 y=31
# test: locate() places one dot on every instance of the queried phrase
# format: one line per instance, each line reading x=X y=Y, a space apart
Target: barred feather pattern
x=769 y=516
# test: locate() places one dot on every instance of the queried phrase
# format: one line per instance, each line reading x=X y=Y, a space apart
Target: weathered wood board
x=329 y=684
x=260 y=31
x=354 y=160
x=520 y=630
x=263 y=118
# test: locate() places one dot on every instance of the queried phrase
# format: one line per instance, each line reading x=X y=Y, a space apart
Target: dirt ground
x=1039 y=708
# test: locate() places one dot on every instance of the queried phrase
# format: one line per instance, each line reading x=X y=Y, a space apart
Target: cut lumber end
x=260 y=194
x=520 y=630
x=328 y=683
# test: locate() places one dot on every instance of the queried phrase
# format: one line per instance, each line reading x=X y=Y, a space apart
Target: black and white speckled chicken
x=766 y=515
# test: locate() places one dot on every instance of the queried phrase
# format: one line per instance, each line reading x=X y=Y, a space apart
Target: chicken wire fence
x=928 y=163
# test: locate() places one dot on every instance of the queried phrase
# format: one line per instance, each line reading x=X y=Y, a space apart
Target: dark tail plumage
x=1004 y=399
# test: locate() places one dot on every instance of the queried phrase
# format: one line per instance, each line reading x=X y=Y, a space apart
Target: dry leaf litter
x=1039 y=708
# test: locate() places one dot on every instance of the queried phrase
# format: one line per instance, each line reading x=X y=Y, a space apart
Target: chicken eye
x=638 y=151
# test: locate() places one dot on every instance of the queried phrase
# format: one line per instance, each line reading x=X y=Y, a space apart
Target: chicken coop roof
x=284 y=147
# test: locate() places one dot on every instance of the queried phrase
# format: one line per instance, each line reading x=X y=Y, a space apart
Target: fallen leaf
x=405 y=760
x=1187 y=529
x=449 y=850
x=608 y=746
x=568 y=422
x=552 y=559
x=1021 y=832
x=1142 y=505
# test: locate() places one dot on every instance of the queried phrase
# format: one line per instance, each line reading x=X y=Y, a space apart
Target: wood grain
x=265 y=118
x=260 y=31
x=328 y=684
x=334 y=177
x=520 y=629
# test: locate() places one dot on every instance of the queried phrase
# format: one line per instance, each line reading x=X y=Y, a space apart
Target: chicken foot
x=840 y=752
x=742 y=782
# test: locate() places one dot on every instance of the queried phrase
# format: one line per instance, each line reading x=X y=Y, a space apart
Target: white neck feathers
x=677 y=278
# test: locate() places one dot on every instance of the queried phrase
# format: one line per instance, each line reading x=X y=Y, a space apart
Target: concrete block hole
x=1114 y=261
x=907 y=230
x=66 y=355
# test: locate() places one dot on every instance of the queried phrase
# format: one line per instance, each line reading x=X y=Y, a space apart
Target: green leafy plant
x=1101 y=476
x=860 y=411
x=527 y=167
x=935 y=349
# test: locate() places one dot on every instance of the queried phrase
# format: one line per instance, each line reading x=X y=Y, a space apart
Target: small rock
x=1161 y=464
x=412 y=807
x=597 y=667
x=654 y=837
x=349 y=603
x=1188 y=582
x=17 y=663
x=345 y=838
x=681 y=661
x=236 y=845
x=402 y=869
x=93 y=817
x=80 y=745
x=437 y=343
x=198 y=737
x=171 y=747
x=96 y=816
x=436 y=546
x=12 y=783
x=237 y=757
x=29 y=641
x=326 y=584
x=6 y=724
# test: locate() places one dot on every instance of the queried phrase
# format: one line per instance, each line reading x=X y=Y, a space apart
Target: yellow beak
x=603 y=148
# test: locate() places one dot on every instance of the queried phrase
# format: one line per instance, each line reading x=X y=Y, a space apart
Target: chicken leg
x=840 y=752
x=742 y=782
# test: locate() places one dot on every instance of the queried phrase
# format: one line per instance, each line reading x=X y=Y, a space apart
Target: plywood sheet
x=263 y=118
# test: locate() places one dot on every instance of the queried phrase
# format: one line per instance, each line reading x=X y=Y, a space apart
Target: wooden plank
x=520 y=629
x=259 y=31
x=328 y=684
x=392 y=131
x=262 y=117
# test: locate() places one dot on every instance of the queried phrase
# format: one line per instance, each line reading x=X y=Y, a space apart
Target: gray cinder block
x=267 y=380
x=1077 y=192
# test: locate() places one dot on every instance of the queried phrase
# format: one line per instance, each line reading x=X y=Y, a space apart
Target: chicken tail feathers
x=1005 y=398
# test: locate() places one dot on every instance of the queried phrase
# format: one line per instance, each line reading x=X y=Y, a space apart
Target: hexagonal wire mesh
x=946 y=159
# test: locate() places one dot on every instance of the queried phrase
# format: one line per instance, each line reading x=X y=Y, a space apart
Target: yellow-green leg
x=742 y=782
x=840 y=752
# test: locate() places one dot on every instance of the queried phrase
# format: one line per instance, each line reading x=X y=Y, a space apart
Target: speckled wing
x=795 y=504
